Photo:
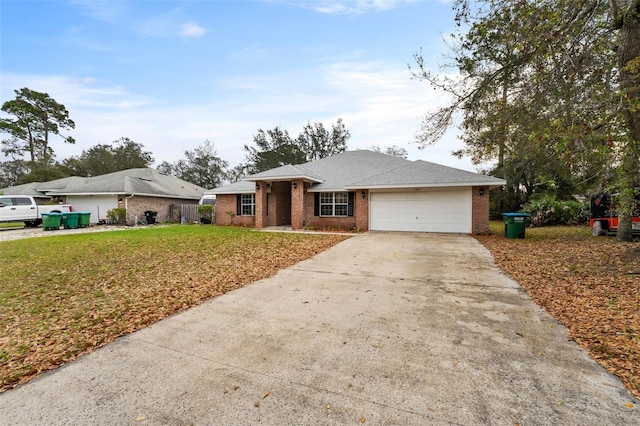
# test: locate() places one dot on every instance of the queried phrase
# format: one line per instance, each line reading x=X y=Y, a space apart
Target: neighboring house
x=137 y=190
x=27 y=189
x=362 y=190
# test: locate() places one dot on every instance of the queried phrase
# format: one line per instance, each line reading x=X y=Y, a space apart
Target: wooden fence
x=185 y=213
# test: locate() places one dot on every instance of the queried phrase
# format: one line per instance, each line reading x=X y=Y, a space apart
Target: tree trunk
x=629 y=63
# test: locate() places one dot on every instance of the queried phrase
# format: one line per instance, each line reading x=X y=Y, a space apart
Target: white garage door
x=422 y=211
x=97 y=205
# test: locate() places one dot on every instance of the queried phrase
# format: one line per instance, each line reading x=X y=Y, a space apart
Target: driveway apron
x=384 y=328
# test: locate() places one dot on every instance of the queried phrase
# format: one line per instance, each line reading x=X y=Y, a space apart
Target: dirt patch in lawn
x=65 y=296
x=591 y=285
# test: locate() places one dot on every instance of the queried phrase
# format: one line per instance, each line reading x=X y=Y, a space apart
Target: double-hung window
x=248 y=204
x=334 y=204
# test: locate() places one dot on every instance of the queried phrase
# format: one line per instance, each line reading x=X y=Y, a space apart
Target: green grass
x=11 y=225
x=64 y=295
x=547 y=232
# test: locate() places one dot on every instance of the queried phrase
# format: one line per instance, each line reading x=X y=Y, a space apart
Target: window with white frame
x=248 y=205
x=334 y=204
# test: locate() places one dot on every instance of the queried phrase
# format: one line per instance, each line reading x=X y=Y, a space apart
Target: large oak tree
x=547 y=89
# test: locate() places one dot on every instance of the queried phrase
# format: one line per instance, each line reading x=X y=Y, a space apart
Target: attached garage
x=97 y=205
x=436 y=210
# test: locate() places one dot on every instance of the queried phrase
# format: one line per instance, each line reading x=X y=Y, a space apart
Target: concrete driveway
x=384 y=328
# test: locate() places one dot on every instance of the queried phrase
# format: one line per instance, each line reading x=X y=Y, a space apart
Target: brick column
x=261 y=205
x=479 y=210
x=297 y=204
x=362 y=209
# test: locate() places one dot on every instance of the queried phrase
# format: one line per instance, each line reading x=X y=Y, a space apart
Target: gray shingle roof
x=424 y=174
x=340 y=170
x=366 y=169
x=287 y=171
x=143 y=181
x=25 y=189
x=242 y=187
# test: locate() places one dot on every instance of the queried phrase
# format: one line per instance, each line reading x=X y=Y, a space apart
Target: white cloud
x=191 y=29
x=379 y=103
x=105 y=11
x=171 y=23
x=346 y=7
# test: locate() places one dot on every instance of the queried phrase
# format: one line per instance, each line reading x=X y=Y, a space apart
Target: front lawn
x=63 y=296
x=590 y=284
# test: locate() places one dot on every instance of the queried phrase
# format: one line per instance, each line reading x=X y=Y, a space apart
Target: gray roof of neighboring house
x=60 y=183
x=364 y=169
x=25 y=189
x=143 y=181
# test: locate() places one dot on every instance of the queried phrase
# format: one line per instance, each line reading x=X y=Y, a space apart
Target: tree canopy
x=547 y=92
x=317 y=142
x=37 y=116
x=121 y=154
x=202 y=167
x=394 y=151
x=275 y=148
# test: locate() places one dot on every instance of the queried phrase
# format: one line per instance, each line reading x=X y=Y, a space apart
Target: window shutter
x=316 y=204
x=352 y=196
x=239 y=205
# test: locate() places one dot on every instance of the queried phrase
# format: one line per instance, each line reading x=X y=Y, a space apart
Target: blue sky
x=172 y=74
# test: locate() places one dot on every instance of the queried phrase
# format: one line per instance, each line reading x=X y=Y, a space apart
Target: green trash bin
x=70 y=220
x=84 y=219
x=515 y=224
x=51 y=221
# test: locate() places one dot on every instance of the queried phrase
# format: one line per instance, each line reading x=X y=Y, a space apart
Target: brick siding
x=348 y=222
x=479 y=210
x=228 y=203
x=137 y=205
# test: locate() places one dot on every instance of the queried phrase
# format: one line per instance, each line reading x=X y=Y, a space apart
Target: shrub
x=118 y=216
x=546 y=210
x=206 y=213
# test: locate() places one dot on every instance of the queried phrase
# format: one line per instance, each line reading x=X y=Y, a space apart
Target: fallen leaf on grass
x=164 y=276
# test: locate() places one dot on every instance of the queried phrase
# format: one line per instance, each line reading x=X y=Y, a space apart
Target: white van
x=208 y=199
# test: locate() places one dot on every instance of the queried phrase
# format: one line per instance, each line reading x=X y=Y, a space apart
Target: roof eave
x=231 y=192
x=305 y=178
x=84 y=193
x=128 y=194
x=491 y=184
